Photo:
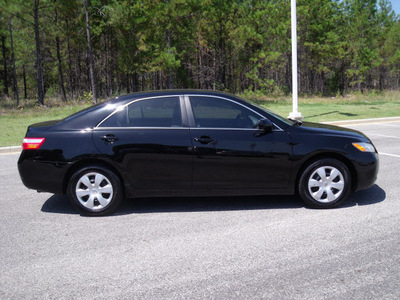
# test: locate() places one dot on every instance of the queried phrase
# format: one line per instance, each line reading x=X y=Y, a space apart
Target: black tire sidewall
x=115 y=182
x=303 y=183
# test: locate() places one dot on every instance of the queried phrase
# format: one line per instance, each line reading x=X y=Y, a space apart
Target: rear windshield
x=84 y=111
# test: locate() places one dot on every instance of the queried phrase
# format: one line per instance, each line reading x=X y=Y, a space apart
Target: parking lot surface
x=205 y=248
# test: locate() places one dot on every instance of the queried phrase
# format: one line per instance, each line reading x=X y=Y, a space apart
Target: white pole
x=294 y=114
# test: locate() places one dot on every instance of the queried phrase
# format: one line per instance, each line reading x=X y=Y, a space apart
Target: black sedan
x=192 y=143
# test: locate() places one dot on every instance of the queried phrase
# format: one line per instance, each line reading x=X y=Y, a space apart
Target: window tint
x=118 y=119
x=219 y=113
x=158 y=112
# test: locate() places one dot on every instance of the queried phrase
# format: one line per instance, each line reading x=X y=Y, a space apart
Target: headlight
x=364 y=147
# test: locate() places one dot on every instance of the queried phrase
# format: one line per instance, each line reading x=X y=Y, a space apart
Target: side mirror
x=265 y=126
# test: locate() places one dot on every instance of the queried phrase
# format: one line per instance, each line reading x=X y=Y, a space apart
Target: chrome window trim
x=175 y=128
x=136 y=100
x=187 y=96
x=227 y=128
x=141 y=128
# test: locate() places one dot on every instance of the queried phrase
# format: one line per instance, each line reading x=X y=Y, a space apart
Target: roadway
x=196 y=248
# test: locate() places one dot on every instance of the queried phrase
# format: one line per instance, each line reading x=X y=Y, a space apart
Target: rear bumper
x=41 y=175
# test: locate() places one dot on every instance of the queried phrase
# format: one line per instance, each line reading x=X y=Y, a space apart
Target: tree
x=38 y=53
x=59 y=63
x=362 y=32
x=15 y=82
x=386 y=36
x=5 y=73
x=110 y=47
x=90 y=53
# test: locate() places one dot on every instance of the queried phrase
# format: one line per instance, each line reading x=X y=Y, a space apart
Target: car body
x=192 y=143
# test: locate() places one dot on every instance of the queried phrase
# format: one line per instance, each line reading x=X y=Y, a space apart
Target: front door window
x=212 y=112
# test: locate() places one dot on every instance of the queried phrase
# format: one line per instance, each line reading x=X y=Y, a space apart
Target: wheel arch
x=328 y=155
x=87 y=163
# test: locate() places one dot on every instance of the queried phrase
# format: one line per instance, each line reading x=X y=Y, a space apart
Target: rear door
x=149 y=142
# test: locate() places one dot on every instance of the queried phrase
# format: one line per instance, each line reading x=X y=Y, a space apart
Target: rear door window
x=156 y=112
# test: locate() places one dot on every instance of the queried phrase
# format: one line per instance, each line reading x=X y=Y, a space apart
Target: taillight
x=32 y=143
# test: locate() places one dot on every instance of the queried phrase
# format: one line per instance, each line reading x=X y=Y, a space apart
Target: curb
x=10 y=150
x=16 y=149
x=363 y=121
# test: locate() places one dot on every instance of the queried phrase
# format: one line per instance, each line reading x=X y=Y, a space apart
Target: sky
x=396 y=6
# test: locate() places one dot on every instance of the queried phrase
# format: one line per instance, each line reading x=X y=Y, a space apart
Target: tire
x=95 y=191
x=325 y=183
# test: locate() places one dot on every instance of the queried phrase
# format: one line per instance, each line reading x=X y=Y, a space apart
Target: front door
x=230 y=153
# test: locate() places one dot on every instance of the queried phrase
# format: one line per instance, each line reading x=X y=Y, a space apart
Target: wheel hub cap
x=326 y=184
x=94 y=191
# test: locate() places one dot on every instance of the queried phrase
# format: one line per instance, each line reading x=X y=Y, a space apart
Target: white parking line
x=388 y=136
x=388 y=125
x=387 y=154
x=8 y=153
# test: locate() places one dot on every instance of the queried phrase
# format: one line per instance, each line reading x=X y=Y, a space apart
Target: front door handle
x=205 y=140
x=109 y=138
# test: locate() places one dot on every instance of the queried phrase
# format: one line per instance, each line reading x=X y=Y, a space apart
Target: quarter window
x=158 y=112
x=210 y=112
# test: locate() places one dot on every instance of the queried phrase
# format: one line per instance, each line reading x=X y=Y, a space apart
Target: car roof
x=148 y=94
x=91 y=116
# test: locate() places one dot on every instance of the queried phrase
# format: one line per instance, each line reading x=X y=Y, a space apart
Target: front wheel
x=95 y=191
x=325 y=183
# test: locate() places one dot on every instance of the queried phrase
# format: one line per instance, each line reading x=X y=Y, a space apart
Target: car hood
x=332 y=130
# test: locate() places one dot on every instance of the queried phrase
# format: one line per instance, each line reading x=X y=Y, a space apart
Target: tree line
x=100 y=48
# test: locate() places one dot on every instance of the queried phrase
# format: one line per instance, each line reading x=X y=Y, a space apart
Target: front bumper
x=367 y=171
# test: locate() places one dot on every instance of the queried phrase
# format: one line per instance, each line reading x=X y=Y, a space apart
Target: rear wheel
x=95 y=191
x=325 y=183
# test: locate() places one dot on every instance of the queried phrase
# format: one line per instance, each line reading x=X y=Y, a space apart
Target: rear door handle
x=109 y=138
x=205 y=140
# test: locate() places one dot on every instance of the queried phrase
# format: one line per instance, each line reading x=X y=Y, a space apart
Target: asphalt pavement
x=205 y=248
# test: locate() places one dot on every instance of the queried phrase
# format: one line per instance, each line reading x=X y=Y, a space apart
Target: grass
x=320 y=112
x=13 y=121
x=325 y=109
